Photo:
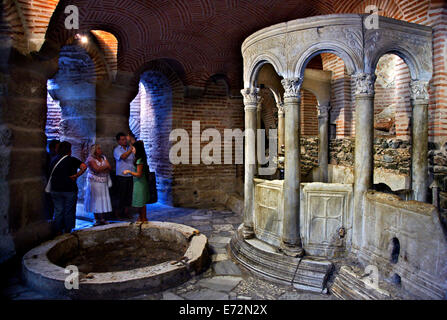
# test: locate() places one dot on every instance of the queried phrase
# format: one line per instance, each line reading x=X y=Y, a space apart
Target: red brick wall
x=393 y=87
x=269 y=112
x=52 y=129
x=341 y=95
x=200 y=185
x=309 y=114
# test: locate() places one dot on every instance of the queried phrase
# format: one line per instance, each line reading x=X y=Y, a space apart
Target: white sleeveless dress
x=97 y=197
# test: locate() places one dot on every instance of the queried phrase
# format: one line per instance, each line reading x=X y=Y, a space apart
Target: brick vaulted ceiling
x=204 y=37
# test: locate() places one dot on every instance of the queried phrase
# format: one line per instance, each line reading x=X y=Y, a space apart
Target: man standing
x=124 y=157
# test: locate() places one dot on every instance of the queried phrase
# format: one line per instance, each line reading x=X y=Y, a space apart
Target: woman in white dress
x=97 y=197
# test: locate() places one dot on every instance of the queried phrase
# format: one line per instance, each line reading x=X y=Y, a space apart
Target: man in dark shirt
x=64 y=190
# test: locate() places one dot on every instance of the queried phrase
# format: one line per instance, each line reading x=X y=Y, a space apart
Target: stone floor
x=223 y=280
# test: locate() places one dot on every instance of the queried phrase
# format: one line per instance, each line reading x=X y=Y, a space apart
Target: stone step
x=353 y=285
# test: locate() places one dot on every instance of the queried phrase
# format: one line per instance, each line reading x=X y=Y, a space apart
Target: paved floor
x=223 y=280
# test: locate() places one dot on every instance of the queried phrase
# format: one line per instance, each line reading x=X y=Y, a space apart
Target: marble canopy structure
x=292 y=230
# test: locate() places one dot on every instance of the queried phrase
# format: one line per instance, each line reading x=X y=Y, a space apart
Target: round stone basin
x=117 y=260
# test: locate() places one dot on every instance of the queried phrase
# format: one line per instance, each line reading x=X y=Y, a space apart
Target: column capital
x=419 y=91
x=292 y=87
x=323 y=110
x=364 y=84
x=251 y=98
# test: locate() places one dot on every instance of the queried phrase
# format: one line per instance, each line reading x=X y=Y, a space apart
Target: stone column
x=251 y=100
x=78 y=118
x=419 y=155
x=258 y=126
x=281 y=113
x=112 y=112
x=323 y=135
x=291 y=241
x=364 y=138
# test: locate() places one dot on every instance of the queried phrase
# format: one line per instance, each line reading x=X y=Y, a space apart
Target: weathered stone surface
x=326 y=208
x=412 y=231
x=265 y=261
x=226 y=267
x=206 y=294
x=171 y=296
x=352 y=285
x=42 y=272
x=225 y=284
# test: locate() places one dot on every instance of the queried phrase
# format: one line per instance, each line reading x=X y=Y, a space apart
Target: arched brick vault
x=148 y=30
x=178 y=29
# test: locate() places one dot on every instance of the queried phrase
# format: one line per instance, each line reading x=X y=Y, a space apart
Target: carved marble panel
x=325 y=218
x=269 y=204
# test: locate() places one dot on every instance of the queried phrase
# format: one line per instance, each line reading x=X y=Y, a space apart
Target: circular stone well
x=117 y=260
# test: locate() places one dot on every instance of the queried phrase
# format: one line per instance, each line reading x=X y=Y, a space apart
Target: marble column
x=251 y=100
x=364 y=138
x=419 y=155
x=291 y=241
x=323 y=135
x=258 y=126
x=280 y=106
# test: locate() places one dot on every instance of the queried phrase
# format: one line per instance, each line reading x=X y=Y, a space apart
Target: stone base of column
x=309 y=273
x=292 y=250
x=248 y=232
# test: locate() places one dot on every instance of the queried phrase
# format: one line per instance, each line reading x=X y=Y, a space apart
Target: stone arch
x=346 y=54
x=219 y=78
x=256 y=66
x=160 y=89
x=413 y=61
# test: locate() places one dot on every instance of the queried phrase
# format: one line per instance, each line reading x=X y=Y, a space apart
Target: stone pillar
x=323 y=135
x=258 y=126
x=291 y=241
x=251 y=100
x=113 y=111
x=78 y=118
x=364 y=138
x=419 y=156
x=281 y=113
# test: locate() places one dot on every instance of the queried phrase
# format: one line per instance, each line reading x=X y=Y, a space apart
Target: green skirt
x=140 y=196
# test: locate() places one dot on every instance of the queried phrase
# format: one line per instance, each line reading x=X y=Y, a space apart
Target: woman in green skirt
x=140 y=196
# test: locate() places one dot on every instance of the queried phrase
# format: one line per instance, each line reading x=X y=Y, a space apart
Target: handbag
x=152 y=184
x=109 y=181
x=48 y=186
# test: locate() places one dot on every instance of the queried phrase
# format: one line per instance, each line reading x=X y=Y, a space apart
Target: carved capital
x=323 y=111
x=364 y=83
x=419 y=90
x=251 y=98
x=292 y=87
